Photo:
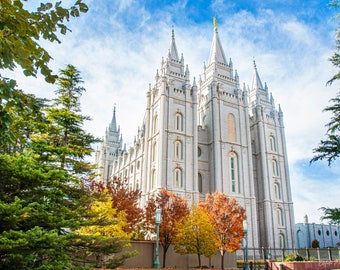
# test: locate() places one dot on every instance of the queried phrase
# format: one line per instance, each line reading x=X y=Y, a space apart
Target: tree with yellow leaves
x=227 y=216
x=105 y=235
x=196 y=235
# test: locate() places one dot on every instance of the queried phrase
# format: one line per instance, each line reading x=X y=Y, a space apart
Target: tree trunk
x=199 y=260
x=222 y=259
x=165 y=249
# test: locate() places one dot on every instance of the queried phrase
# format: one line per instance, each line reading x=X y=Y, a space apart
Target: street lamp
x=245 y=230
x=156 y=263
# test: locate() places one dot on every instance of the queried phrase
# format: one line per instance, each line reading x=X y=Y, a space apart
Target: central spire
x=173 y=49
x=216 y=52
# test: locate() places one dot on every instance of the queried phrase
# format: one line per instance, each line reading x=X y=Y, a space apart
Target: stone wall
x=146 y=251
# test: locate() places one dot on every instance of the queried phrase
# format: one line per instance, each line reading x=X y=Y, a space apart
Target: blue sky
x=118 y=46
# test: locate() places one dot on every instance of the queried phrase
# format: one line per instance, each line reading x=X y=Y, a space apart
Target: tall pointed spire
x=173 y=54
x=257 y=84
x=113 y=124
x=216 y=52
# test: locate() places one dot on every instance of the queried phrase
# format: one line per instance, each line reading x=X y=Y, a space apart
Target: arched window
x=204 y=121
x=178 y=150
x=153 y=179
x=154 y=152
x=231 y=127
x=275 y=168
x=233 y=172
x=272 y=143
x=178 y=181
x=277 y=191
x=282 y=240
x=179 y=122
x=200 y=183
x=155 y=124
x=280 y=220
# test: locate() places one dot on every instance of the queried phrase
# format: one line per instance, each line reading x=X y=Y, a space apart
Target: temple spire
x=113 y=124
x=216 y=52
x=173 y=54
x=257 y=84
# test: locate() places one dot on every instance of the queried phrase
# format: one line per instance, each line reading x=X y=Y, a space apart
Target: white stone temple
x=209 y=134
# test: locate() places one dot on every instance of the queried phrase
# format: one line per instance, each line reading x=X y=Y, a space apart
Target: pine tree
x=43 y=201
x=329 y=148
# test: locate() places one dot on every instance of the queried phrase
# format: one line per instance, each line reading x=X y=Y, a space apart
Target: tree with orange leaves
x=227 y=216
x=174 y=210
x=124 y=199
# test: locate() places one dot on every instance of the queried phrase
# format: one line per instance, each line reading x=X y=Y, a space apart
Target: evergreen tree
x=331 y=214
x=43 y=201
x=329 y=148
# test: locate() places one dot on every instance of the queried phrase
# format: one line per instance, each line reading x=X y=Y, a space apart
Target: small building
x=326 y=234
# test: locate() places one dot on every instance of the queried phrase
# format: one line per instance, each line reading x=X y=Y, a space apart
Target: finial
x=254 y=62
x=173 y=33
x=194 y=83
x=215 y=22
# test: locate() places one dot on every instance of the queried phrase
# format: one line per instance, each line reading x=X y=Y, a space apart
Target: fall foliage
x=105 y=234
x=174 y=209
x=196 y=235
x=227 y=216
x=124 y=200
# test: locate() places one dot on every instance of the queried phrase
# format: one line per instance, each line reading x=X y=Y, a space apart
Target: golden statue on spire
x=215 y=22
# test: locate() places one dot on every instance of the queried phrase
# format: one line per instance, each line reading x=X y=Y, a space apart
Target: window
x=272 y=143
x=153 y=179
x=178 y=150
x=319 y=232
x=179 y=122
x=131 y=169
x=335 y=233
x=233 y=172
x=280 y=217
x=282 y=240
x=205 y=120
x=154 y=152
x=277 y=191
x=200 y=183
x=199 y=152
x=155 y=124
x=275 y=168
x=231 y=127
x=178 y=178
x=138 y=164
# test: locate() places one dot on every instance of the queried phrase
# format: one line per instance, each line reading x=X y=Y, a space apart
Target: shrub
x=294 y=257
x=315 y=244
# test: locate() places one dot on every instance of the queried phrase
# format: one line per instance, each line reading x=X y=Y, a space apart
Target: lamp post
x=245 y=230
x=156 y=263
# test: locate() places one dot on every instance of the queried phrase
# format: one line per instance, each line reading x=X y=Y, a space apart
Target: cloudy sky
x=118 y=46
